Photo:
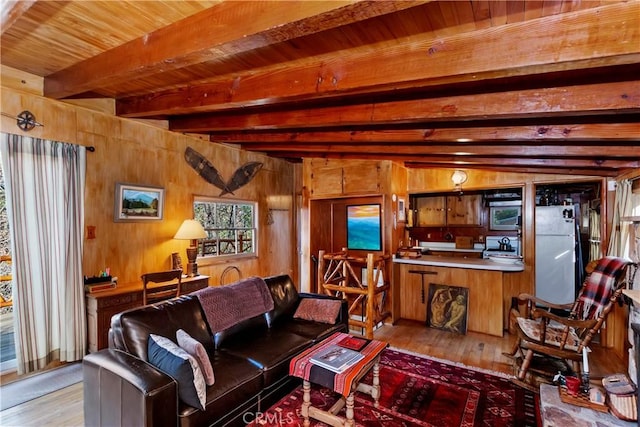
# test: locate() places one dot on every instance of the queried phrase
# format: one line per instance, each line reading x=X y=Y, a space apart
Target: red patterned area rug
x=419 y=391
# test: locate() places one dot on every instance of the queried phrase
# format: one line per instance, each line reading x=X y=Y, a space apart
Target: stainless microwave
x=505 y=215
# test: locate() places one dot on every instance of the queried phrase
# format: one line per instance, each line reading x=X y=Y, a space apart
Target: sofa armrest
x=122 y=390
x=343 y=315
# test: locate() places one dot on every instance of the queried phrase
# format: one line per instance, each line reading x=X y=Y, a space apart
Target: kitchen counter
x=416 y=279
x=470 y=263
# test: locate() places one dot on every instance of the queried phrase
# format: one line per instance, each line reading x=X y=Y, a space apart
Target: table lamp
x=191 y=230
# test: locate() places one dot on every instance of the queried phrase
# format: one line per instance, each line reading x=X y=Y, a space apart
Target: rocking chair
x=549 y=342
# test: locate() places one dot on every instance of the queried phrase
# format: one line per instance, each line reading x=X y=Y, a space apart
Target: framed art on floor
x=447 y=309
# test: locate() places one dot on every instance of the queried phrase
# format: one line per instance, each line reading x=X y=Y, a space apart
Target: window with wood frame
x=230 y=225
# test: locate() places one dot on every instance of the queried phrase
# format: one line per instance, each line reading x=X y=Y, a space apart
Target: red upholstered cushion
x=318 y=310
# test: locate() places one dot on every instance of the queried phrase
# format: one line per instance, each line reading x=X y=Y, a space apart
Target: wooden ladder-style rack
x=337 y=277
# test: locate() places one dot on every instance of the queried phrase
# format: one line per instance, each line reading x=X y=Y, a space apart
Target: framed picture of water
x=138 y=203
x=364 y=227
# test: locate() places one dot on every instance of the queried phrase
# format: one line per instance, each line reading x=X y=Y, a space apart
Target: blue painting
x=364 y=227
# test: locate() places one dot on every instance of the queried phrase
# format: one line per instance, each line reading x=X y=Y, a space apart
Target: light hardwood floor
x=64 y=407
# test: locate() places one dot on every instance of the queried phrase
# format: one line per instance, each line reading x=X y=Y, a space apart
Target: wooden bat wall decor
x=205 y=169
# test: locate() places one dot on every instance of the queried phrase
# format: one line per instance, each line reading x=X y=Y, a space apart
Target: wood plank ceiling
x=533 y=86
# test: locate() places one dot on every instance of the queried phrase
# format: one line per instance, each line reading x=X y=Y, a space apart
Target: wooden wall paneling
x=613 y=334
x=485 y=294
x=130 y=151
x=20 y=80
x=484 y=308
x=279 y=240
x=413 y=292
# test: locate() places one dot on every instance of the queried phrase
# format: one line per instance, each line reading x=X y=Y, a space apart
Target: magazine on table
x=336 y=358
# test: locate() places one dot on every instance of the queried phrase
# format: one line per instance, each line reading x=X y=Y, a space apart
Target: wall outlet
x=91 y=231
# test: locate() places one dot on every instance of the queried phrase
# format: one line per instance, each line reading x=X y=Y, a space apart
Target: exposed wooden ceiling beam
x=423 y=162
x=209 y=35
x=416 y=162
x=460 y=150
x=605 y=98
x=559 y=43
x=603 y=172
x=599 y=132
x=480 y=161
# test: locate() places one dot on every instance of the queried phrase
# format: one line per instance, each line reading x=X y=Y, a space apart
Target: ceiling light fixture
x=458 y=178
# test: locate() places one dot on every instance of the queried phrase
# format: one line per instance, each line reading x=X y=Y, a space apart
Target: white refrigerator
x=555 y=254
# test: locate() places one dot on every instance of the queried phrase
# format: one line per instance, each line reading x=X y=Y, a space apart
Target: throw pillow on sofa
x=318 y=310
x=196 y=349
x=168 y=357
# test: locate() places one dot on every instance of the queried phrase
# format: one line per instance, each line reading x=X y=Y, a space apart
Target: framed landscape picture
x=447 y=308
x=364 y=227
x=138 y=203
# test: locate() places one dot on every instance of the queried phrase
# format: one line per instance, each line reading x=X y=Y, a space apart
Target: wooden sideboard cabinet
x=101 y=306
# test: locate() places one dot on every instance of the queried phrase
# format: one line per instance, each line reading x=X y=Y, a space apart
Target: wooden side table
x=101 y=306
x=345 y=383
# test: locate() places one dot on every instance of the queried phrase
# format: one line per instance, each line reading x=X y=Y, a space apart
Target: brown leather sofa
x=250 y=360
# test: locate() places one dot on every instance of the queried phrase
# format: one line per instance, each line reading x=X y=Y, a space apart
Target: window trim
x=213 y=259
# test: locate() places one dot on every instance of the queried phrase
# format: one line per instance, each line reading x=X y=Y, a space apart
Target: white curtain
x=619 y=241
x=44 y=183
x=595 y=251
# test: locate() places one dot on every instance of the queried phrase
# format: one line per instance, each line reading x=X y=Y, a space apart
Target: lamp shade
x=190 y=230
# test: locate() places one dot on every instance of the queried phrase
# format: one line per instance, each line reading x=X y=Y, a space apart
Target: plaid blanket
x=600 y=285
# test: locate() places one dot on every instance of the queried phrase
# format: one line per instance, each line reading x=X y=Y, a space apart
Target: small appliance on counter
x=410 y=252
x=502 y=245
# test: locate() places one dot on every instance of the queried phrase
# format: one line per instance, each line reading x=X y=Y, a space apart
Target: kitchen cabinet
x=432 y=211
x=338 y=179
x=464 y=210
x=440 y=211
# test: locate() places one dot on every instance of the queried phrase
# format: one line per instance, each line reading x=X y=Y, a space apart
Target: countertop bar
x=471 y=263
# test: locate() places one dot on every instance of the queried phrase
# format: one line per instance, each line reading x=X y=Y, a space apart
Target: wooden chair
x=161 y=285
x=549 y=342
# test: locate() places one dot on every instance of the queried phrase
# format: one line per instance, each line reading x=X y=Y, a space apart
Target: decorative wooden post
x=371 y=294
x=338 y=277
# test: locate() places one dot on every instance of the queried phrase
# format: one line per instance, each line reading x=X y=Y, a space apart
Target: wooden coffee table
x=345 y=383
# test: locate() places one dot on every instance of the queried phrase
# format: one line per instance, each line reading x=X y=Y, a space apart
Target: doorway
x=567 y=236
x=328 y=228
